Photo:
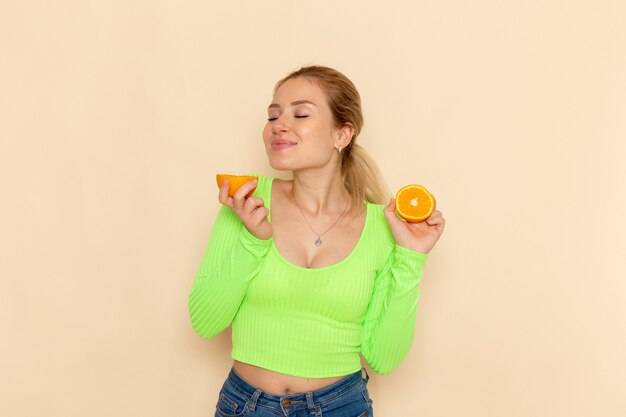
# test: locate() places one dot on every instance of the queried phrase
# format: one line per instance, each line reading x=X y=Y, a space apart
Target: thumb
x=390 y=210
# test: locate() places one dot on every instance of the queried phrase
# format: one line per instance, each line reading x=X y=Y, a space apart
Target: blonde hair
x=360 y=174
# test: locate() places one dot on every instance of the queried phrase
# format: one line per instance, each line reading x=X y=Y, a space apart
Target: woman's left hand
x=420 y=237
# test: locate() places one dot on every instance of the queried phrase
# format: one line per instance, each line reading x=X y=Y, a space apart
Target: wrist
x=257 y=236
x=414 y=249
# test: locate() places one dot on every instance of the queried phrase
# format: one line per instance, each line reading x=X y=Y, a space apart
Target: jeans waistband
x=318 y=396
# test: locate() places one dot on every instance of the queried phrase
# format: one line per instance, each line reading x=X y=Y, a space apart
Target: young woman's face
x=300 y=131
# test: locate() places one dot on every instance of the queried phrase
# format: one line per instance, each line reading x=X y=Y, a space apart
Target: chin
x=285 y=162
x=280 y=165
x=279 y=162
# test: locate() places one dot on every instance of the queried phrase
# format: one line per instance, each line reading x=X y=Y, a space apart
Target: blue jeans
x=347 y=397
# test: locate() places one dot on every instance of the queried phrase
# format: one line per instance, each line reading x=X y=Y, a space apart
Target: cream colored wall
x=115 y=116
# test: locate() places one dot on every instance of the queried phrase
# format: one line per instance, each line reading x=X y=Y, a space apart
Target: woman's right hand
x=250 y=210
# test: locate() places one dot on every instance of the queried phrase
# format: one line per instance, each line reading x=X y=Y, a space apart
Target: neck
x=320 y=192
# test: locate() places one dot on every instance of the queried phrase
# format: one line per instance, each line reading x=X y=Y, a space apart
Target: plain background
x=116 y=115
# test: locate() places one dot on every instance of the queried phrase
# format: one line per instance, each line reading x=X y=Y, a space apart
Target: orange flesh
x=414 y=203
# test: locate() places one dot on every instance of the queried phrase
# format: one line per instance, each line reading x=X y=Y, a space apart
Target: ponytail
x=362 y=178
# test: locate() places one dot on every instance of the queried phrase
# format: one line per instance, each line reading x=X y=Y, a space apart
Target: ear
x=345 y=135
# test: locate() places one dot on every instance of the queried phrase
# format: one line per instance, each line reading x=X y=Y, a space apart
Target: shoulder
x=377 y=211
x=268 y=185
x=264 y=187
x=378 y=224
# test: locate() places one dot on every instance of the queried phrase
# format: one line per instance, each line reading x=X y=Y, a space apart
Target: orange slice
x=236 y=181
x=414 y=203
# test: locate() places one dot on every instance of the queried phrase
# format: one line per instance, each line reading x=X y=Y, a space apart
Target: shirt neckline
x=322 y=268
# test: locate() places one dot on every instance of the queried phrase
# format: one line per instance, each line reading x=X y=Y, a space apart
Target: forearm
x=389 y=326
x=225 y=273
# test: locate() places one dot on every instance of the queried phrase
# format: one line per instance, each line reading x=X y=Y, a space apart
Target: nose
x=279 y=125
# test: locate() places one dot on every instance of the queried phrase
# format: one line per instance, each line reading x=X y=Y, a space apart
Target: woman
x=311 y=271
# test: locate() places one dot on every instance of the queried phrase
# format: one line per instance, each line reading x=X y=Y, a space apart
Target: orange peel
x=236 y=181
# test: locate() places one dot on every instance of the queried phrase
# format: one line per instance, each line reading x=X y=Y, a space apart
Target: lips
x=280 y=144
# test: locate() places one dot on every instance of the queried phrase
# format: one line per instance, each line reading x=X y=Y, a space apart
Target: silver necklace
x=318 y=241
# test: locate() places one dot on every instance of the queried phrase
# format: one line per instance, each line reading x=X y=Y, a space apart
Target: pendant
x=318 y=242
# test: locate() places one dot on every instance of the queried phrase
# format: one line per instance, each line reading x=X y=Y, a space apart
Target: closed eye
x=271 y=119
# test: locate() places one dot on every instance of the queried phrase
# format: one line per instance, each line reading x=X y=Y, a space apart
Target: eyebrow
x=293 y=103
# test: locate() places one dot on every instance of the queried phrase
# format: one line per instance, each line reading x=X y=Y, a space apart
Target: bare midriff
x=280 y=384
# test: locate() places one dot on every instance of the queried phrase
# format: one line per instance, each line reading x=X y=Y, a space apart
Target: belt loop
x=367 y=376
x=310 y=403
x=254 y=398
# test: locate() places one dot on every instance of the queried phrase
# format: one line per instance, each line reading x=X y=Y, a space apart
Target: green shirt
x=306 y=322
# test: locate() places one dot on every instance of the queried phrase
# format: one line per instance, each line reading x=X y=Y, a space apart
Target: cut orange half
x=414 y=203
x=236 y=181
